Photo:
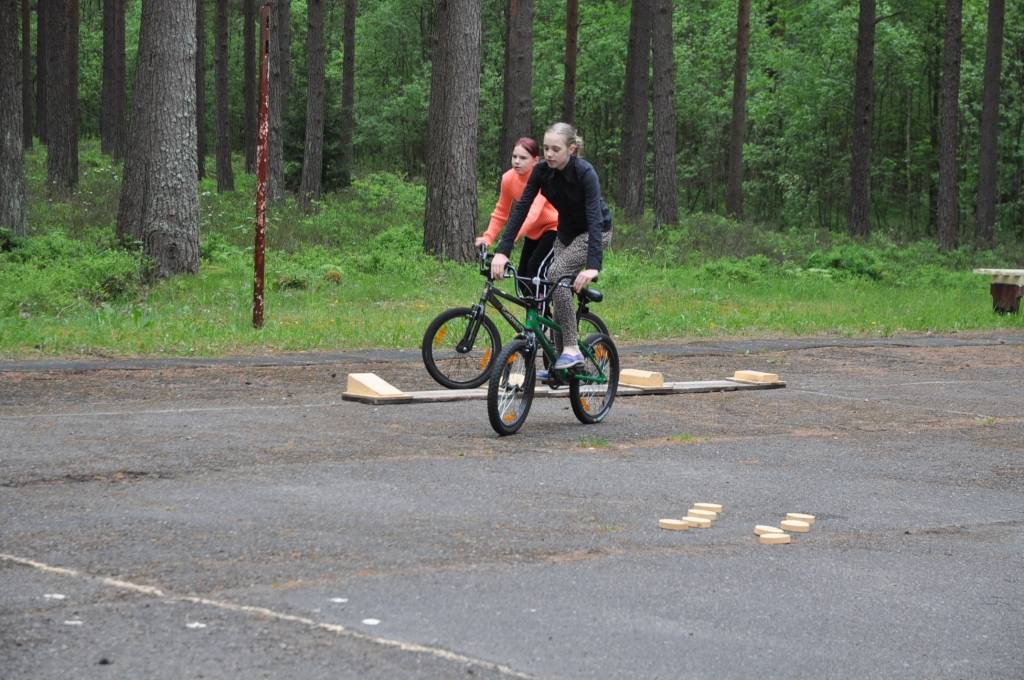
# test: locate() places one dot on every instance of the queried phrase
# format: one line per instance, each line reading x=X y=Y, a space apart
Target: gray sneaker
x=568 y=360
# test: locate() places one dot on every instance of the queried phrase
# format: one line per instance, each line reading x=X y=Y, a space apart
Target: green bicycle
x=461 y=344
x=592 y=387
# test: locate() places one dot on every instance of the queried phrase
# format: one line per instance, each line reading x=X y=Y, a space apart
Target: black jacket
x=576 y=193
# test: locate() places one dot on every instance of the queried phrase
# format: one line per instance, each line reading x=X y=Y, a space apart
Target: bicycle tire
x=510 y=390
x=445 y=363
x=590 y=401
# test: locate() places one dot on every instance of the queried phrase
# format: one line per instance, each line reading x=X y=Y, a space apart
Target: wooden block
x=774 y=539
x=762 y=529
x=699 y=522
x=697 y=512
x=755 y=377
x=637 y=378
x=673 y=524
x=795 y=525
x=713 y=507
x=371 y=385
x=799 y=516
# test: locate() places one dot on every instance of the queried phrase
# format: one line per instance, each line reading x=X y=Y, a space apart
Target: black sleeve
x=520 y=209
x=594 y=206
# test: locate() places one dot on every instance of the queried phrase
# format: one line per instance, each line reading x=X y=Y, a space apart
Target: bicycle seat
x=591 y=295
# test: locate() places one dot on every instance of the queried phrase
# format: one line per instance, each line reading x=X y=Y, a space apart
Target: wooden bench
x=1006 y=288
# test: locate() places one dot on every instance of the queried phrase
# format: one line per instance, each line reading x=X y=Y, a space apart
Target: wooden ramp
x=363 y=389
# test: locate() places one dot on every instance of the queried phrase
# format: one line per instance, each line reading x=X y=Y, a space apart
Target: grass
x=353 y=275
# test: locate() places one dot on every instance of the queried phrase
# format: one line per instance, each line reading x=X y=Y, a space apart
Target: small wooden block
x=762 y=529
x=697 y=512
x=795 y=525
x=673 y=524
x=755 y=377
x=699 y=522
x=800 y=517
x=774 y=539
x=371 y=385
x=713 y=507
x=637 y=378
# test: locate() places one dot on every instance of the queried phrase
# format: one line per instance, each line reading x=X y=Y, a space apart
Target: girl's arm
x=515 y=221
x=501 y=209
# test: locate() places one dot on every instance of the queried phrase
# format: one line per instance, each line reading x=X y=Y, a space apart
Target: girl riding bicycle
x=571 y=185
x=538 y=229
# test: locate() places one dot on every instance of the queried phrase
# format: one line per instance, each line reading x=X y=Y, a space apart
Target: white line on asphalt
x=911 y=407
x=337 y=629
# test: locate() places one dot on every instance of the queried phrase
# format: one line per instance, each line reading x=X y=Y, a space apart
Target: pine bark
x=42 y=29
x=62 y=96
x=452 y=123
x=159 y=203
x=26 y=74
x=517 y=108
x=348 y=84
x=249 y=81
x=988 y=154
x=280 y=82
x=738 y=126
x=572 y=27
x=200 y=83
x=313 y=154
x=12 y=150
x=947 y=207
x=666 y=193
x=112 y=104
x=633 y=157
x=225 y=173
x=859 y=218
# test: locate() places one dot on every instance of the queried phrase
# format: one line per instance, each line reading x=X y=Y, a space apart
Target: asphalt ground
x=234 y=518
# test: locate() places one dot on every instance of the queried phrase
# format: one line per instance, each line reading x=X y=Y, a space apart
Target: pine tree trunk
x=517 y=96
x=666 y=193
x=200 y=81
x=280 y=82
x=120 y=75
x=313 y=155
x=572 y=27
x=160 y=194
x=42 y=29
x=947 y=208
x=988 y=155
x=348 y=83
x=62 y=96
x=225 y=173
x=452 y=123
x=633 y=157
x=738 y=127
x=107 y=78
x=12 y=150
x=859 y=218
x=26 y=74
x=249 y=84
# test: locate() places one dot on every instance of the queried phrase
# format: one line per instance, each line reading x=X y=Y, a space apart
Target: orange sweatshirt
x=541 y=218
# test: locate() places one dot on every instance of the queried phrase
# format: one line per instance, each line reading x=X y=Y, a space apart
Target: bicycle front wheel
x=449 y=356
x=510 y=391
x=592 y=388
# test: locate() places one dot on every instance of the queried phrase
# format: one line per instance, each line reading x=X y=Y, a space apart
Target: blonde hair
x=571 y=136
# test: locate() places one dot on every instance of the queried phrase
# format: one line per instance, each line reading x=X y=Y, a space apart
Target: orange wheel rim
x=485 y=359
x=441 y=332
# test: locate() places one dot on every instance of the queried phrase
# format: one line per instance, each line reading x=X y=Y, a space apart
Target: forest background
x=351 y=271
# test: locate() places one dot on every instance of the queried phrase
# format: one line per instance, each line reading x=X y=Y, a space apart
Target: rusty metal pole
x=261 y=170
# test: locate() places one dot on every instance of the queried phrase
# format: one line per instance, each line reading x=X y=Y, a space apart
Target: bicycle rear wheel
x=591 y=398
x=588 y=323
x=448 y=356
x=510 y=391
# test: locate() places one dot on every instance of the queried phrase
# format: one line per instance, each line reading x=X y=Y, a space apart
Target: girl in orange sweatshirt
x=541 y=223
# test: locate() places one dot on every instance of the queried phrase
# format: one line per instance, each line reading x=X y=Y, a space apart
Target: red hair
x=529 y=145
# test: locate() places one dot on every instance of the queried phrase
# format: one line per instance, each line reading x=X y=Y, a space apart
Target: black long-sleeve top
x=576 y=193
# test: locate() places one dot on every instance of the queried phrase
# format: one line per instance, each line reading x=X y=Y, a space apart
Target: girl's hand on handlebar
x=498 y=266
x=480 y=241
x=584 y=278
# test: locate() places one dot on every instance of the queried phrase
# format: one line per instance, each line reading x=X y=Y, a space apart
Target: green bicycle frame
x=534 y=333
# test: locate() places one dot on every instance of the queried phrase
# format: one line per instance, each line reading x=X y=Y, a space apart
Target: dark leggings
x=535 y=252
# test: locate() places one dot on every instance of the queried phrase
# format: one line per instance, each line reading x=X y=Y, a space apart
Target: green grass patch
x=353 y=275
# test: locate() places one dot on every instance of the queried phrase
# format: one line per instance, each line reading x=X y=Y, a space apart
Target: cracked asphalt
x=234 y=518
